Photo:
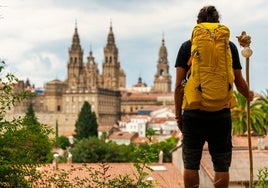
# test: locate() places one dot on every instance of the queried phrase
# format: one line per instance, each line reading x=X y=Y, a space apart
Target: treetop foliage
x=86 y=124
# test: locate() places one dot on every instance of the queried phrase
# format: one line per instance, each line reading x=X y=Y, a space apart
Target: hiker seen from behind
x=207 y=68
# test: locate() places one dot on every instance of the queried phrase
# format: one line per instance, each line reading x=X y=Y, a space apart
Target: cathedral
x=61 y=101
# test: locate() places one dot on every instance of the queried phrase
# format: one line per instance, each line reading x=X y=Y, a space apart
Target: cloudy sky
x=35 y=34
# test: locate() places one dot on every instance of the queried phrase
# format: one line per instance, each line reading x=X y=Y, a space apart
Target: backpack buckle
x=212 y=34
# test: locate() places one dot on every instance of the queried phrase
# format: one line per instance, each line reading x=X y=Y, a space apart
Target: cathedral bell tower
x=111 y=65
x=162 y=78
x=75 y=63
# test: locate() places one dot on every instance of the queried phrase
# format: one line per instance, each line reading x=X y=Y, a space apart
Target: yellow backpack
x=210 y=85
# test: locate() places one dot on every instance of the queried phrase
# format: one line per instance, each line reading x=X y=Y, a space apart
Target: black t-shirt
x=185 y=53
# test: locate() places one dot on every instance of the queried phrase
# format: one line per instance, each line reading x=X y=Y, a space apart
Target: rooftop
x=165 y=175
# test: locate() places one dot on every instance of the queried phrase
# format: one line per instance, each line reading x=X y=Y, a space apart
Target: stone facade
x=162 y=78
x=61 y=101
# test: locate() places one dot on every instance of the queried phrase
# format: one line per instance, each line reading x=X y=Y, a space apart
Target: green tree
x=63 y=142
x=93 y=149
x=10 y=175
x=24 y=142
x=60 y=141
x=57 y=129
x=165 y=146
x=150 y=133
x=26 y=145
x=30 y=118
x=36 y=144
x=239 y=116
x=86 y=125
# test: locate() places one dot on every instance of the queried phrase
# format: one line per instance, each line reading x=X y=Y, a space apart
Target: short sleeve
x=235 y=56
x=184 y=54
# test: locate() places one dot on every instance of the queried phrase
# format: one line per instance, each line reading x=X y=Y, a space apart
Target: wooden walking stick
x=244 y=41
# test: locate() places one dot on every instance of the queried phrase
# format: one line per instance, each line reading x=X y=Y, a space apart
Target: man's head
x=208 y=14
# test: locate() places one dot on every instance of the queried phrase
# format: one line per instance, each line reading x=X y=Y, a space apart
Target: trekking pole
x=244 y=41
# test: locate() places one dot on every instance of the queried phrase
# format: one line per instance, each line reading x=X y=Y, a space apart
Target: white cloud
x=35 y=35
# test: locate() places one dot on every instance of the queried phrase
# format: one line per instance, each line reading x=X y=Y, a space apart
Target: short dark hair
x=208 y=14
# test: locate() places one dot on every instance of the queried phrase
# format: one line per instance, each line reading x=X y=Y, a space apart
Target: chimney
x=160 y=159
x=55 y=161
x=69 y=158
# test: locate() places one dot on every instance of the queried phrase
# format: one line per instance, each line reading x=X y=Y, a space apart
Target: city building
x=61 y=100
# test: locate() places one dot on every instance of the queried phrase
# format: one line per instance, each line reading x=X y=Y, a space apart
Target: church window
x=73 y=99
x=58 y=108
x=66 y=118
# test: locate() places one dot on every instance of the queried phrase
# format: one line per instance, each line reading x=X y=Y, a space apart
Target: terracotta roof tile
x=159 y=120
x=165 y=175
x=70 y=133
x=122 y=135
x=144 y=96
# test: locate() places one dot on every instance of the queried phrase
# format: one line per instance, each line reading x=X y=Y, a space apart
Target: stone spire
x=110 y=39
x=162 y=78
x=163 y=52
x=76 y=41
x=75 y=64
x=111 y=65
